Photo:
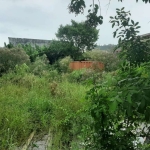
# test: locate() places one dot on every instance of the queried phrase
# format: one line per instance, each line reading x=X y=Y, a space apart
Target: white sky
x=41 y=19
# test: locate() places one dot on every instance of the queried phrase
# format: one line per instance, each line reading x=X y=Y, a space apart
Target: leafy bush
x=33 y=51
x=120 y=109
x=120 y=105
x=87 y=76
x=68 y=113
x=64 y=64
x=9 y=58
x=30 y=51
x=60 y=49
x=76 y=75
x=40 y=66
x=109 y=59
x=21 y=69
x=52 y=75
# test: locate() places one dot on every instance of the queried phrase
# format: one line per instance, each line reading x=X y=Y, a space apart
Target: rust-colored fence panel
x=76 y=65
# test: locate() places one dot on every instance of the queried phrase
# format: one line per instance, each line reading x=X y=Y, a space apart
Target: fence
x=76 y=65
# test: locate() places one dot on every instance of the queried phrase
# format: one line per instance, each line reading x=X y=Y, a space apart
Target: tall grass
x=69 y=114
x=23 y=110
x=31 y=103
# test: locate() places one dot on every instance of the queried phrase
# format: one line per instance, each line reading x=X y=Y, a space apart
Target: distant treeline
x=106 y=47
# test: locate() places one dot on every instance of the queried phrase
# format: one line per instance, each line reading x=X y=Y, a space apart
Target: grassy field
x=32 y=103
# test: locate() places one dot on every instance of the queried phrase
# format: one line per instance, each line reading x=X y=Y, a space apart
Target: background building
x=32 y=42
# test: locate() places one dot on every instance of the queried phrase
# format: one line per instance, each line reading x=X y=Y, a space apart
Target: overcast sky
x=40 y=19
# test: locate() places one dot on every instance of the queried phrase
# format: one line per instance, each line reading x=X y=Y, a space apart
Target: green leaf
x=128 y=34
x=129 y=98
x=124 y=23
x=138 y=27
x=115 y=34
x=89 y=10
x=113 y=106
x=132 y=22
x=129 y=111
x=113 y=24
x=147 y=116
x=119 y=41
x=136 y=23
x=118 y=23
x=143 y=103
x=101 y=17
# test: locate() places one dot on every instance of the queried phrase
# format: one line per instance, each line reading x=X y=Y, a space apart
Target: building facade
x=32 y=42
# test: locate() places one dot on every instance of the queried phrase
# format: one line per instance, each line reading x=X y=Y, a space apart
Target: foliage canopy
x=120 y=102
x=9 y=58
x=81 y=35
x=94 y=17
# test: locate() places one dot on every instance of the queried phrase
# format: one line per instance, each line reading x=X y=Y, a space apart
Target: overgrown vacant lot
x=30 y=103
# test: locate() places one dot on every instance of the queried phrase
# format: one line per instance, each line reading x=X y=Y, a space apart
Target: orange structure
x=76 y=65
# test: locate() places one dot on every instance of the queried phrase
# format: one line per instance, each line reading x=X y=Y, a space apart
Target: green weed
x=32 y=103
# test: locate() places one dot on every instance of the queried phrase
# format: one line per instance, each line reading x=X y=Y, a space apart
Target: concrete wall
x=33 y=42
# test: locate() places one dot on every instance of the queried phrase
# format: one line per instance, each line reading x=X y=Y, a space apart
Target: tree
x=60 y=49
x=133 y=48
x=120 y=104
x=108 y=47
x=109 y=59
x=11 y=57
x=93 y=18
x=82 y=36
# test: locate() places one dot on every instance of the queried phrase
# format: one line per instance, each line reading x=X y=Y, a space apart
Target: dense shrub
x=109 y=59
x=120 y=109
x=58 y=50
x=120 y=104
x=84 y=76
x=31 y=51
x=68 y=114
x=9 y=58
x=55 y=51
x=40 y=66
x=64 y=64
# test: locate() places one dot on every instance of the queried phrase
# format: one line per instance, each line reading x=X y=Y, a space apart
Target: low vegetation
x=32 y=103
